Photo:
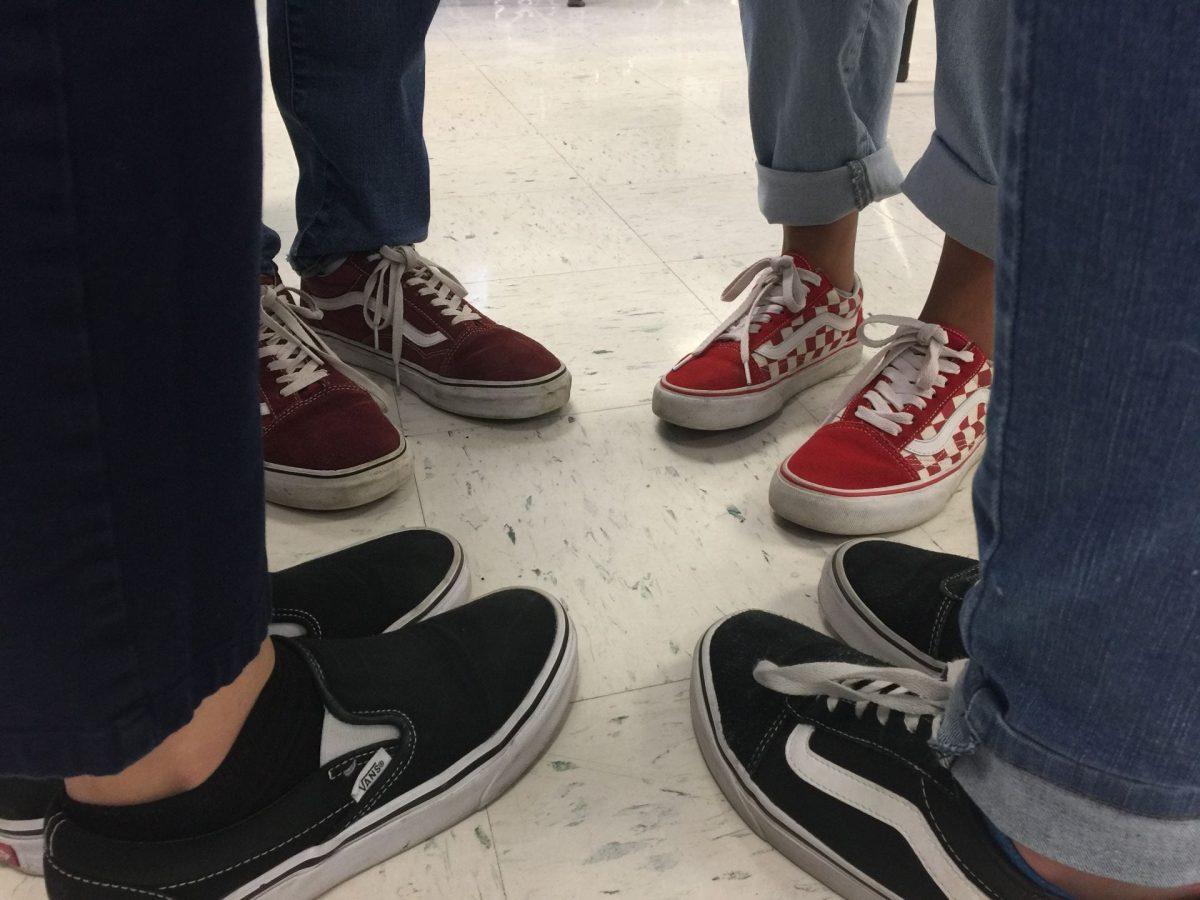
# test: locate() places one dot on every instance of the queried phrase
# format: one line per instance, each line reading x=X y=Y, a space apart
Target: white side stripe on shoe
x=945 y=435
x=803 y=333
x=883 y=805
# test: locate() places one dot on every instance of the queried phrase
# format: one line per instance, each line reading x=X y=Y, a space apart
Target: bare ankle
x=1085 y=886
x=188 y=756
x=828 y=247
x=963 y=294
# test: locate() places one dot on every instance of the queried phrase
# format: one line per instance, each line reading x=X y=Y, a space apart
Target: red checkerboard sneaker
x=794 y=329
x=327 y=442
x=396 y=313
x=901 y=440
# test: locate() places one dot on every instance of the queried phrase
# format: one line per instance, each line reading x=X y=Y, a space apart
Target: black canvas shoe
x=824 y=752
x=898 y=603
x=410 y=733
x=373 y=587
x=23 y=804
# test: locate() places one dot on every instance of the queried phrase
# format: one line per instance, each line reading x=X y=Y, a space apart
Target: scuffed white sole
x=317 y=490
x=516 y=400
x=21 y=845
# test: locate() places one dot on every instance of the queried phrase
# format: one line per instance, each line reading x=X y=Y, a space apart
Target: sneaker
x=794 y=329
x=897 y=603
x=824 y=752
x=327 y=440
x=371 y=588
x=396 y=313
x=23 y=805
x=395 y=738
x=901 y=441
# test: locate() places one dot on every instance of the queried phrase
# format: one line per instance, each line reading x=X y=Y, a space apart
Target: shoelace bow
x=775 y=284
x=385 y=294
x=912 y=694
x=913 y=366
x=301 y=357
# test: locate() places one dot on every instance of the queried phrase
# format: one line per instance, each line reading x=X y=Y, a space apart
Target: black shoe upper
x=917 y=593
x=432 y=696
x=25 y=799
x=756 y=724
x=368 y=588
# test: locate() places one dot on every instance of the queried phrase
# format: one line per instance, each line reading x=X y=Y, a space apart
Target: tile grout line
x=496 y=849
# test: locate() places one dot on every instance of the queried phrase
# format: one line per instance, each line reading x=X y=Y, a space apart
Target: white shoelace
x=912 y=694
x=297 y=354
x=385 y=294
x=775 y=284
x=913 y=364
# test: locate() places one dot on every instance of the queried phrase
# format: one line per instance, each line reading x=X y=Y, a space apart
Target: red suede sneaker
x=793 y=330
x=327 y=442
x=905 y=435
x=396 y=313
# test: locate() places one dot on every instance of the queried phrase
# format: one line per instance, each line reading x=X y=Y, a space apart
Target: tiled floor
x=593 y=183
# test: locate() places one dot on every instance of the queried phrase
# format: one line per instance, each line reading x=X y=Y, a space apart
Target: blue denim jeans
x=822 y=74
x=349 y=78
x=1076 y=726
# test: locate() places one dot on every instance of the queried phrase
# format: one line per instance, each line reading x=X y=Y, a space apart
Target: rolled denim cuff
x=954 y=198
x=818 y=198
x=996 y=767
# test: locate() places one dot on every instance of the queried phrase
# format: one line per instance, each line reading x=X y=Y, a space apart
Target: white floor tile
x=623 y=806
x=509 y=235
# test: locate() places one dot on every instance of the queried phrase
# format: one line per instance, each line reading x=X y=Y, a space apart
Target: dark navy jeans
x=133 y=578
x=349 y=78
x=1077 y=724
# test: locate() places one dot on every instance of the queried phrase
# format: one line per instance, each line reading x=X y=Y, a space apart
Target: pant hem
x=818 y=198
x=1078 y=831
x=108 y=750
x=314 y=264
x=954 y=198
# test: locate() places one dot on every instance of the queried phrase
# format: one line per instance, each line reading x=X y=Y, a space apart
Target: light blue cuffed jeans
x=822 y=74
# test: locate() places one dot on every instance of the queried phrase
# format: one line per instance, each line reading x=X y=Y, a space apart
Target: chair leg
x=910 y=23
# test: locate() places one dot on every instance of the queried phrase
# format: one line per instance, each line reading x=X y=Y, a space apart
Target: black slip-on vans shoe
x=422 y=727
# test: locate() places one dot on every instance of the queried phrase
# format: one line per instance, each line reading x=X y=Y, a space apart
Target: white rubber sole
x=442 y=802
x=515 y=400
x=344 y=489
x=850 y=620
x=21 y=845
x=721 y=411
x=867 y=512
x=764 y=818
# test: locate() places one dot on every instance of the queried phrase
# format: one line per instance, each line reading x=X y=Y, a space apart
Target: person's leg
x=1077 y=721
x=133 y=580
x=821 y=81
x=269 y=246
x=954 y=181
x=349 y=78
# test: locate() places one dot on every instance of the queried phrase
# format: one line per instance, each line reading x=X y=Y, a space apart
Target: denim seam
x=100 y=452
x=860 y=183
x=849 y=71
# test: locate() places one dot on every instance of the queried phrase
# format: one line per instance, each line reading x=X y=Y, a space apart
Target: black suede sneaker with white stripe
x=377 y=586
x=824 y=752
x=355 y=751
x=898 y=603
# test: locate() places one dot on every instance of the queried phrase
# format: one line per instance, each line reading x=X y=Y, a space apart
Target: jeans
x=1076 y=726
x=349 y=78
x=822 y=73
x=133 y=575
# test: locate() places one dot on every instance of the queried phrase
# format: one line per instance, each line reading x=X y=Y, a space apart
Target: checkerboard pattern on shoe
x=791 y=330
x=902 y=440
